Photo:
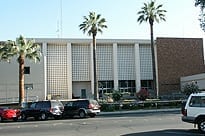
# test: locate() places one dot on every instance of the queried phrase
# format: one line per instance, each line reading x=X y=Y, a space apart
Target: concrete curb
x=140 y=111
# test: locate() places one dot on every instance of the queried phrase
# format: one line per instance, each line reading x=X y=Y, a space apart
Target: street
x=163 y=124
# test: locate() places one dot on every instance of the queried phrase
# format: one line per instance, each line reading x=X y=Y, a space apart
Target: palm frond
x=93 y=24
x=151 y=12
x=22 y=46
x=200 y=3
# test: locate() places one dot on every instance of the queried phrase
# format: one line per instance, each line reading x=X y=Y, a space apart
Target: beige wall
x=77 y=86
x=9 y=82
x=198 y=79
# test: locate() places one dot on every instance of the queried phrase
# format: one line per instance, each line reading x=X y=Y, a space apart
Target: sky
x=43 y=19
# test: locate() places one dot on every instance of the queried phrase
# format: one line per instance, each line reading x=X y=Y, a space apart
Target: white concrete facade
x=199 y=79
x=66 y=71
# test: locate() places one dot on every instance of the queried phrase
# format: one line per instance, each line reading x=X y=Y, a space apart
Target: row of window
x=125 y=86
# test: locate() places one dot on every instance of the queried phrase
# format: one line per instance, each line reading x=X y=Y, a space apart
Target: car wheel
x=37 y=118
x=43 y=116
x=23 y=116
x=1 y=119
x=15 y=119
x=201 y=125
x=82 y=114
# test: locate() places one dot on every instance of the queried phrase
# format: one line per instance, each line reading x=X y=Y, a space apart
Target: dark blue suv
x=41 y=110
x=82 y=108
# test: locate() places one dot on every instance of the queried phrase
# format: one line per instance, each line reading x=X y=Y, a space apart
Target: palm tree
x=93 y=24
x=201 y=4
x=150 y=12
x=22 y=48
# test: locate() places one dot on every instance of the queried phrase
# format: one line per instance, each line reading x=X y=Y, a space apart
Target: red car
x=9 y=114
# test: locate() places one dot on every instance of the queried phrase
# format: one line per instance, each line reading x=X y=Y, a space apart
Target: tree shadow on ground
x=168 y=132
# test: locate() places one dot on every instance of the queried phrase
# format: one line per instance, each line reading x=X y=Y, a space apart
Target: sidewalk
x=140 y=111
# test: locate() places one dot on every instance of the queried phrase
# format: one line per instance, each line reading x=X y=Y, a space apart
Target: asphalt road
x=150 y=124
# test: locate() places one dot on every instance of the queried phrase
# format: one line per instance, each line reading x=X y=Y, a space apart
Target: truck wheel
x=15 y=119
x=82 y=114
x=23 y=116
x=201 y=125
x=43 y=116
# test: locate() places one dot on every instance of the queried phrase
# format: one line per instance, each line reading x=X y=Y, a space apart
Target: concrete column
x=69 y=70
x=137 y=67
x=44 y=51
x=115 y=67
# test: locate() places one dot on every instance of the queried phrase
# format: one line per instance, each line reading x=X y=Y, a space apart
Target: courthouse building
x=66 y=67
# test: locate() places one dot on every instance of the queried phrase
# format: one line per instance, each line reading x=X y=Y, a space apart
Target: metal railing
x=16 y=99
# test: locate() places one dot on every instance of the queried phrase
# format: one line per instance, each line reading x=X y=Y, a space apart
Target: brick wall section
x=177 y=57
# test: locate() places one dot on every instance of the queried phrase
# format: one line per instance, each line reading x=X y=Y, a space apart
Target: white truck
x=194 y=111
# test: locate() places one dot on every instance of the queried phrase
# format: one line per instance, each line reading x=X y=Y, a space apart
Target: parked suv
x=194 y=110
x=41 y=110
x=82 y=108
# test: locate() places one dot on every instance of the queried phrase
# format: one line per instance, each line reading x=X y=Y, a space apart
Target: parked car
x=194 y=110
x=41 y=110
x=9 y=114
x=82 y=108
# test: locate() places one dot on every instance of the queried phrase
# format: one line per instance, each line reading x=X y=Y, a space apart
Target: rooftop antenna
x=59 y=30
x=61 y=18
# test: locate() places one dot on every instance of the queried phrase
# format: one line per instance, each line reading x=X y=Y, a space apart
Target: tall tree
x=152 y=12
x=21 y=48
x=201 y=4
x=92 y=25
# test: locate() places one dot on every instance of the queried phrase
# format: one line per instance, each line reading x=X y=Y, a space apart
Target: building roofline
x=76 y=40
x=177 y=38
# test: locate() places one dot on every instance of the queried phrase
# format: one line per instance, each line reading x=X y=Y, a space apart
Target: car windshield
x=94 y=102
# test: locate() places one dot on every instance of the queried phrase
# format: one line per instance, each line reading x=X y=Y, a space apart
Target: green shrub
x=109 y=107
x=190 y=88
x=116 y=95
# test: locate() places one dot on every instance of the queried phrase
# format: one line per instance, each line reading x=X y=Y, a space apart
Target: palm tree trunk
x=95 y=69
x=21 y=80
x=153 y=59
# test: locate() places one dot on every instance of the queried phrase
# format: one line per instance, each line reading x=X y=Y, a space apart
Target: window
x=33 y=105
x=105 y=87
x=26 y=70
x=147 y=84
x=197 y=101
x=69 y=104
x=39 y=105
x=127 y=86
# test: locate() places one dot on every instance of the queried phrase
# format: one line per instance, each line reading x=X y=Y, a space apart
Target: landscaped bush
x=190 y=88
x=140 y=105
x=109 y=107
x=116 y=95
x=143 y=94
